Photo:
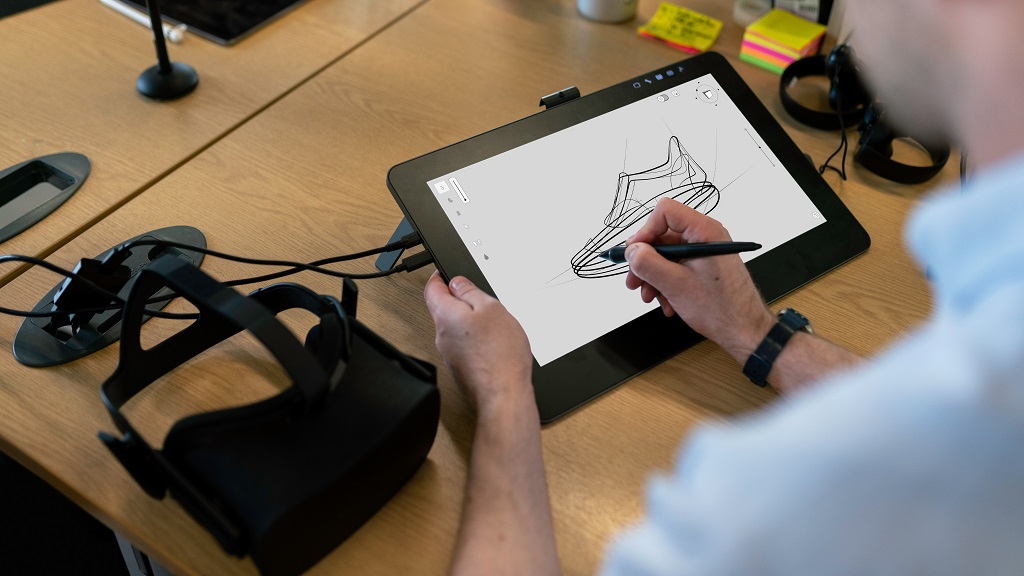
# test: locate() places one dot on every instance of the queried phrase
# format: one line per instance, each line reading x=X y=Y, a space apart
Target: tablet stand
x=387 y=260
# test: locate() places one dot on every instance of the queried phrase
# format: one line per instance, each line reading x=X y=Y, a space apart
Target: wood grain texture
x=305 y=180
x=69 y=71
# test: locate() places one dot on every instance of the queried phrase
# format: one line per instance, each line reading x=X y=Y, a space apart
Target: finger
x=669 y=237
x=438 y=297
x=654 y=228
x=666 y=306
x=663 y=275
x=671 y=217
x=464 y=290
x=668 y=215
x=434 y=290
x=693 y=226
x=648 y=293
x=632 y=282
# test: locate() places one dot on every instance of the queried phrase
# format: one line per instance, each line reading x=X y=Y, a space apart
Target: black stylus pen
x=680 y=251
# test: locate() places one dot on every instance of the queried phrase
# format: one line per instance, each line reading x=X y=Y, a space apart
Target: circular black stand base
x=181 y=80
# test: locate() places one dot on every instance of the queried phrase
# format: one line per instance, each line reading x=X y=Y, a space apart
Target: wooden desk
x=305 y=180
x=69 y=71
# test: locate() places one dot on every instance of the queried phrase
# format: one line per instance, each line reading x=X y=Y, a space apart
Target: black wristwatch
x=760 y=362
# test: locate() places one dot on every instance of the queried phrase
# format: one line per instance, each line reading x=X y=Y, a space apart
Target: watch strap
x=759 y=364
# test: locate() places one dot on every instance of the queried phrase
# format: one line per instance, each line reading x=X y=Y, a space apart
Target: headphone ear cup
x=313 y=340
x=813 y=66
x=836 y=59
x=846 y=90
x=875 y=131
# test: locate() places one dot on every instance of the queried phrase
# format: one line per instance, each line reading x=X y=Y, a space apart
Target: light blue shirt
x=911 y=464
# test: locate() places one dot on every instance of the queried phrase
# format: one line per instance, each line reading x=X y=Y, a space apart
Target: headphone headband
x=816 y=66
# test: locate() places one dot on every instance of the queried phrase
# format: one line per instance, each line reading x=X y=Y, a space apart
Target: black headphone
x=847 y=94
x=874 y=150
x=854 y=105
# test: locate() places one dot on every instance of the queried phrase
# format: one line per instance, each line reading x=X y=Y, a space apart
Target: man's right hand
x=715 y=295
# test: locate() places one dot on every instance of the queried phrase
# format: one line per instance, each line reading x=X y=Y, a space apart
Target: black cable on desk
x=408 y=264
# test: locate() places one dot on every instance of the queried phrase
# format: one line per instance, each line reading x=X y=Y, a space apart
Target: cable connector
x=417 y=261
x=109 y=265
x=74 y=293
x=410 y=240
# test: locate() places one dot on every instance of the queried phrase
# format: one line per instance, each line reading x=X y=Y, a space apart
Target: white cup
x=746 y=12
x=607 y=10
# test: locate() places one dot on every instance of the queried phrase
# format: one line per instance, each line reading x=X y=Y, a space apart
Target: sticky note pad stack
x=778 y=39
x=681 y=28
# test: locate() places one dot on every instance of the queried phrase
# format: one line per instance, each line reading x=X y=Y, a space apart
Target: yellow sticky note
x=677 y=25
x=787 y=29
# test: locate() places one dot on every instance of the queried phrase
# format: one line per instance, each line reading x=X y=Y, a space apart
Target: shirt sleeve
x=894 y=468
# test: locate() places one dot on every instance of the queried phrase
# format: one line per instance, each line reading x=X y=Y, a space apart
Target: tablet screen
x=535 y=218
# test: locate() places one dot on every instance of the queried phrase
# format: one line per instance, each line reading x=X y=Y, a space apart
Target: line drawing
x=714 y=173
x=679 y=177
x=759 y=147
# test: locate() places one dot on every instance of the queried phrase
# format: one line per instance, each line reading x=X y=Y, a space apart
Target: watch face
x=795 y=320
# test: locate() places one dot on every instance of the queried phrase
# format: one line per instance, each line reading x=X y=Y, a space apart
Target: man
x=908 y=463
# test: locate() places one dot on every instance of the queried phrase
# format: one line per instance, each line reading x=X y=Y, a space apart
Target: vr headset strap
x=223 y=312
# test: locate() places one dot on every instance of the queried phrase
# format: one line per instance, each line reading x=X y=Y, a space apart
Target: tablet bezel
x=585 y=373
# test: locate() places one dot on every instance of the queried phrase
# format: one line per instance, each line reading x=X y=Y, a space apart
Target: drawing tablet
x=222 y=21
x=524 y=210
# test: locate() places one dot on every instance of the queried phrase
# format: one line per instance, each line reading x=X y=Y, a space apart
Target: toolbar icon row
x=658 y=77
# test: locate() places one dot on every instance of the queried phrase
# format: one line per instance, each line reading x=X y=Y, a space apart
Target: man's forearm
x=506 y=519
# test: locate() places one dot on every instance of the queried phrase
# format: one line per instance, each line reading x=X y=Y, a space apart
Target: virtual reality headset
x=287 y=479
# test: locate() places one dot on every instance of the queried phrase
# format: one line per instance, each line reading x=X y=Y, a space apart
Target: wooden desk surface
x=69 y=71
x=306 y=179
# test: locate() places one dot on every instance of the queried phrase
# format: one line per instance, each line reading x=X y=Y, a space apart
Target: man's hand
x=483 y=345
x=715 y=296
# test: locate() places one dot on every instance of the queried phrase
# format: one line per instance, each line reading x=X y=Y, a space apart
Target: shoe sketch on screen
x=679 y=177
